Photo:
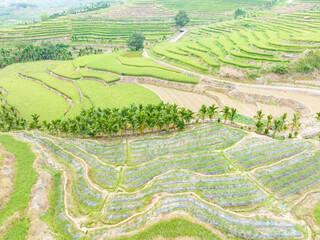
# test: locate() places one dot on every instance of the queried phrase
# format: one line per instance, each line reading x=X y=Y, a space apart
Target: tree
x=212 y=111
x=233 y=115
x=277 y=126
x=226 y=113
x=295 y=122
x=259 y=125
x=203 y=112
x=44 y=17
x=182 y=18
x=259 y=115
x=318 y=116
x=269 y=121
x=136 y=40
x=239 y=12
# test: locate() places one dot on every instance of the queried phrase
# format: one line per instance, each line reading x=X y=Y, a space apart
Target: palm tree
x=233 y=115
x=259 y=115
x=269 y=120
x=226 y=113
x=212 y=111
x=277 y=126
x=35 y=121
x=259 y=125
x=189 y=116
x=296 y=121
x=203 y=112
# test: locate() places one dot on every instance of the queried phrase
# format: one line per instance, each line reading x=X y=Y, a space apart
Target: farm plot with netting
x=257 y=152
x=119 y=187
x=290 y=178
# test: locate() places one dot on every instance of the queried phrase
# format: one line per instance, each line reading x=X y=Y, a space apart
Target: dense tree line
x=31 y=52
x=104 y=122
x=140 y=119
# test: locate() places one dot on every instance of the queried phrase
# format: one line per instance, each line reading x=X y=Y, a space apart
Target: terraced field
x=246 y=44
x=84 y=30
x=82 y=83
x=212 y=174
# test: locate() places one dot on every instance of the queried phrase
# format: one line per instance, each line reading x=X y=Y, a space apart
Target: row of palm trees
x=113 y=122
x=276 y=124
x=140 y=119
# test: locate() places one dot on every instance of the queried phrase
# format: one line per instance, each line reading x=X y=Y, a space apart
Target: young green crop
x=174 y=228
x=25 y=176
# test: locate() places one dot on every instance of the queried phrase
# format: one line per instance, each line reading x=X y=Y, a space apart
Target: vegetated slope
x=54 y=89
x=247 y=43
x=212 y=173
x=12 y=215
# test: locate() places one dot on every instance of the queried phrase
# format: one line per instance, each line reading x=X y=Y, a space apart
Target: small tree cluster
x=135 y=42
x=182 y=18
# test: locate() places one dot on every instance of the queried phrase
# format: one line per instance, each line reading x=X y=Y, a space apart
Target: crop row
x=205 y=163
x=113 y=153
x=292 y=176
x=217 y=137
x=249 y=155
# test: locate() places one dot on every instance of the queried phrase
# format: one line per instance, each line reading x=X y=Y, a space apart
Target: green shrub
x=308 y=63
x=253 y=75
x=280 y=68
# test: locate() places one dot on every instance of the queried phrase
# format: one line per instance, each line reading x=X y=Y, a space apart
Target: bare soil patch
x=190 y=100
x=7 y=176
x=311 y=101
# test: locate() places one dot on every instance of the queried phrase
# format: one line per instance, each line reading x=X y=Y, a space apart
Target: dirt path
x=178 y=35
x=39 y=202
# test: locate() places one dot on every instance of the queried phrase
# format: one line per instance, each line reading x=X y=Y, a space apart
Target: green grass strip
x=19 y=231
x=317 y=212
x=172 y=229
x=25 y=177
x=52 y=217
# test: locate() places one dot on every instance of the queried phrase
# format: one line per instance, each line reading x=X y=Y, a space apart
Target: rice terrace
x=160 y=119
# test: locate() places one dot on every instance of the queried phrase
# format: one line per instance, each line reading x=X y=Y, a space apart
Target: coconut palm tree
x=233 y=115
x=269 y=120
x=259 y=115
x=226 y=113
x=295 y=122
x=277 y=126
x=212 y=111
x=259 y=125
x=203 y=111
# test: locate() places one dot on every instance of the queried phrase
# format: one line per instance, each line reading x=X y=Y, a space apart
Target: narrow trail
x=91 y=79
x=86 y=175
x=69 y=80
x=69 y=100
x=178 y=35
